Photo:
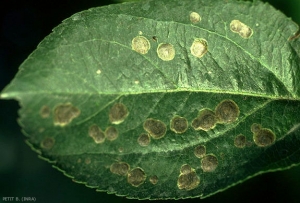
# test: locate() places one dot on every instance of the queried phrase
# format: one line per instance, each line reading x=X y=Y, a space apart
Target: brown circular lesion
x=156 y=128
x=65 y=113
x=47 y=143
x=255 y=128
x=136 y=177
x=120 y=168
x=111 y=133
x=179 y=124
x=206 y=120
x=144 y=139
x=45 y=111
x=118 y=113
x=227 y=111
x=153 y=179
x=188 y=178
x=185 y=168
x=200 y=151
x=209 y=163
x=96 y=133
x=264 y=137
x=240 y=141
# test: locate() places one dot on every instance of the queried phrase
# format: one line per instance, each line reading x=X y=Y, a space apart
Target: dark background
x=23 y=24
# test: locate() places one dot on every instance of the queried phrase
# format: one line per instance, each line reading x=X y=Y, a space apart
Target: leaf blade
x=87 y=65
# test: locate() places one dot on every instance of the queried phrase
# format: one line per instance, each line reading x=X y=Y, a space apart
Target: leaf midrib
x=19 y=95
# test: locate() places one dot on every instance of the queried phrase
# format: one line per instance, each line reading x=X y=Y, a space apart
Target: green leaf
x=164 y=99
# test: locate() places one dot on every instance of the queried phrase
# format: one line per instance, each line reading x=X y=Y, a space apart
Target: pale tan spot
x=243 y=30
x=166 y=51
x=140 y=44
x=199 y=47
x=195 y=17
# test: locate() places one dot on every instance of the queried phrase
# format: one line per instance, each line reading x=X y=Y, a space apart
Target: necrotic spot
x=179 y=124
x=185 y=168
x=240 y=141
x=118 y=113
x=153 y=179
x=47 y=143
x=136 y=177
x=144 y=139
x=199 y=47
x=156 y=128
x=87 y=161
x=209 y=163
x=206 y=120
x=65 y=113
x=195 y=17
x=97 y=134
x=166 y=51
x=243 y=30
x=227 y=111
x=111 y=133
x=255 y=128
x=200 y=151
x=188 y=178
x=45 y=112
x=264 y=137
x=140 y=44
x=120 y=168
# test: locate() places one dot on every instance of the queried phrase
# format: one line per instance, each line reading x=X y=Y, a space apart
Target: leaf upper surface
x=88 y=94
